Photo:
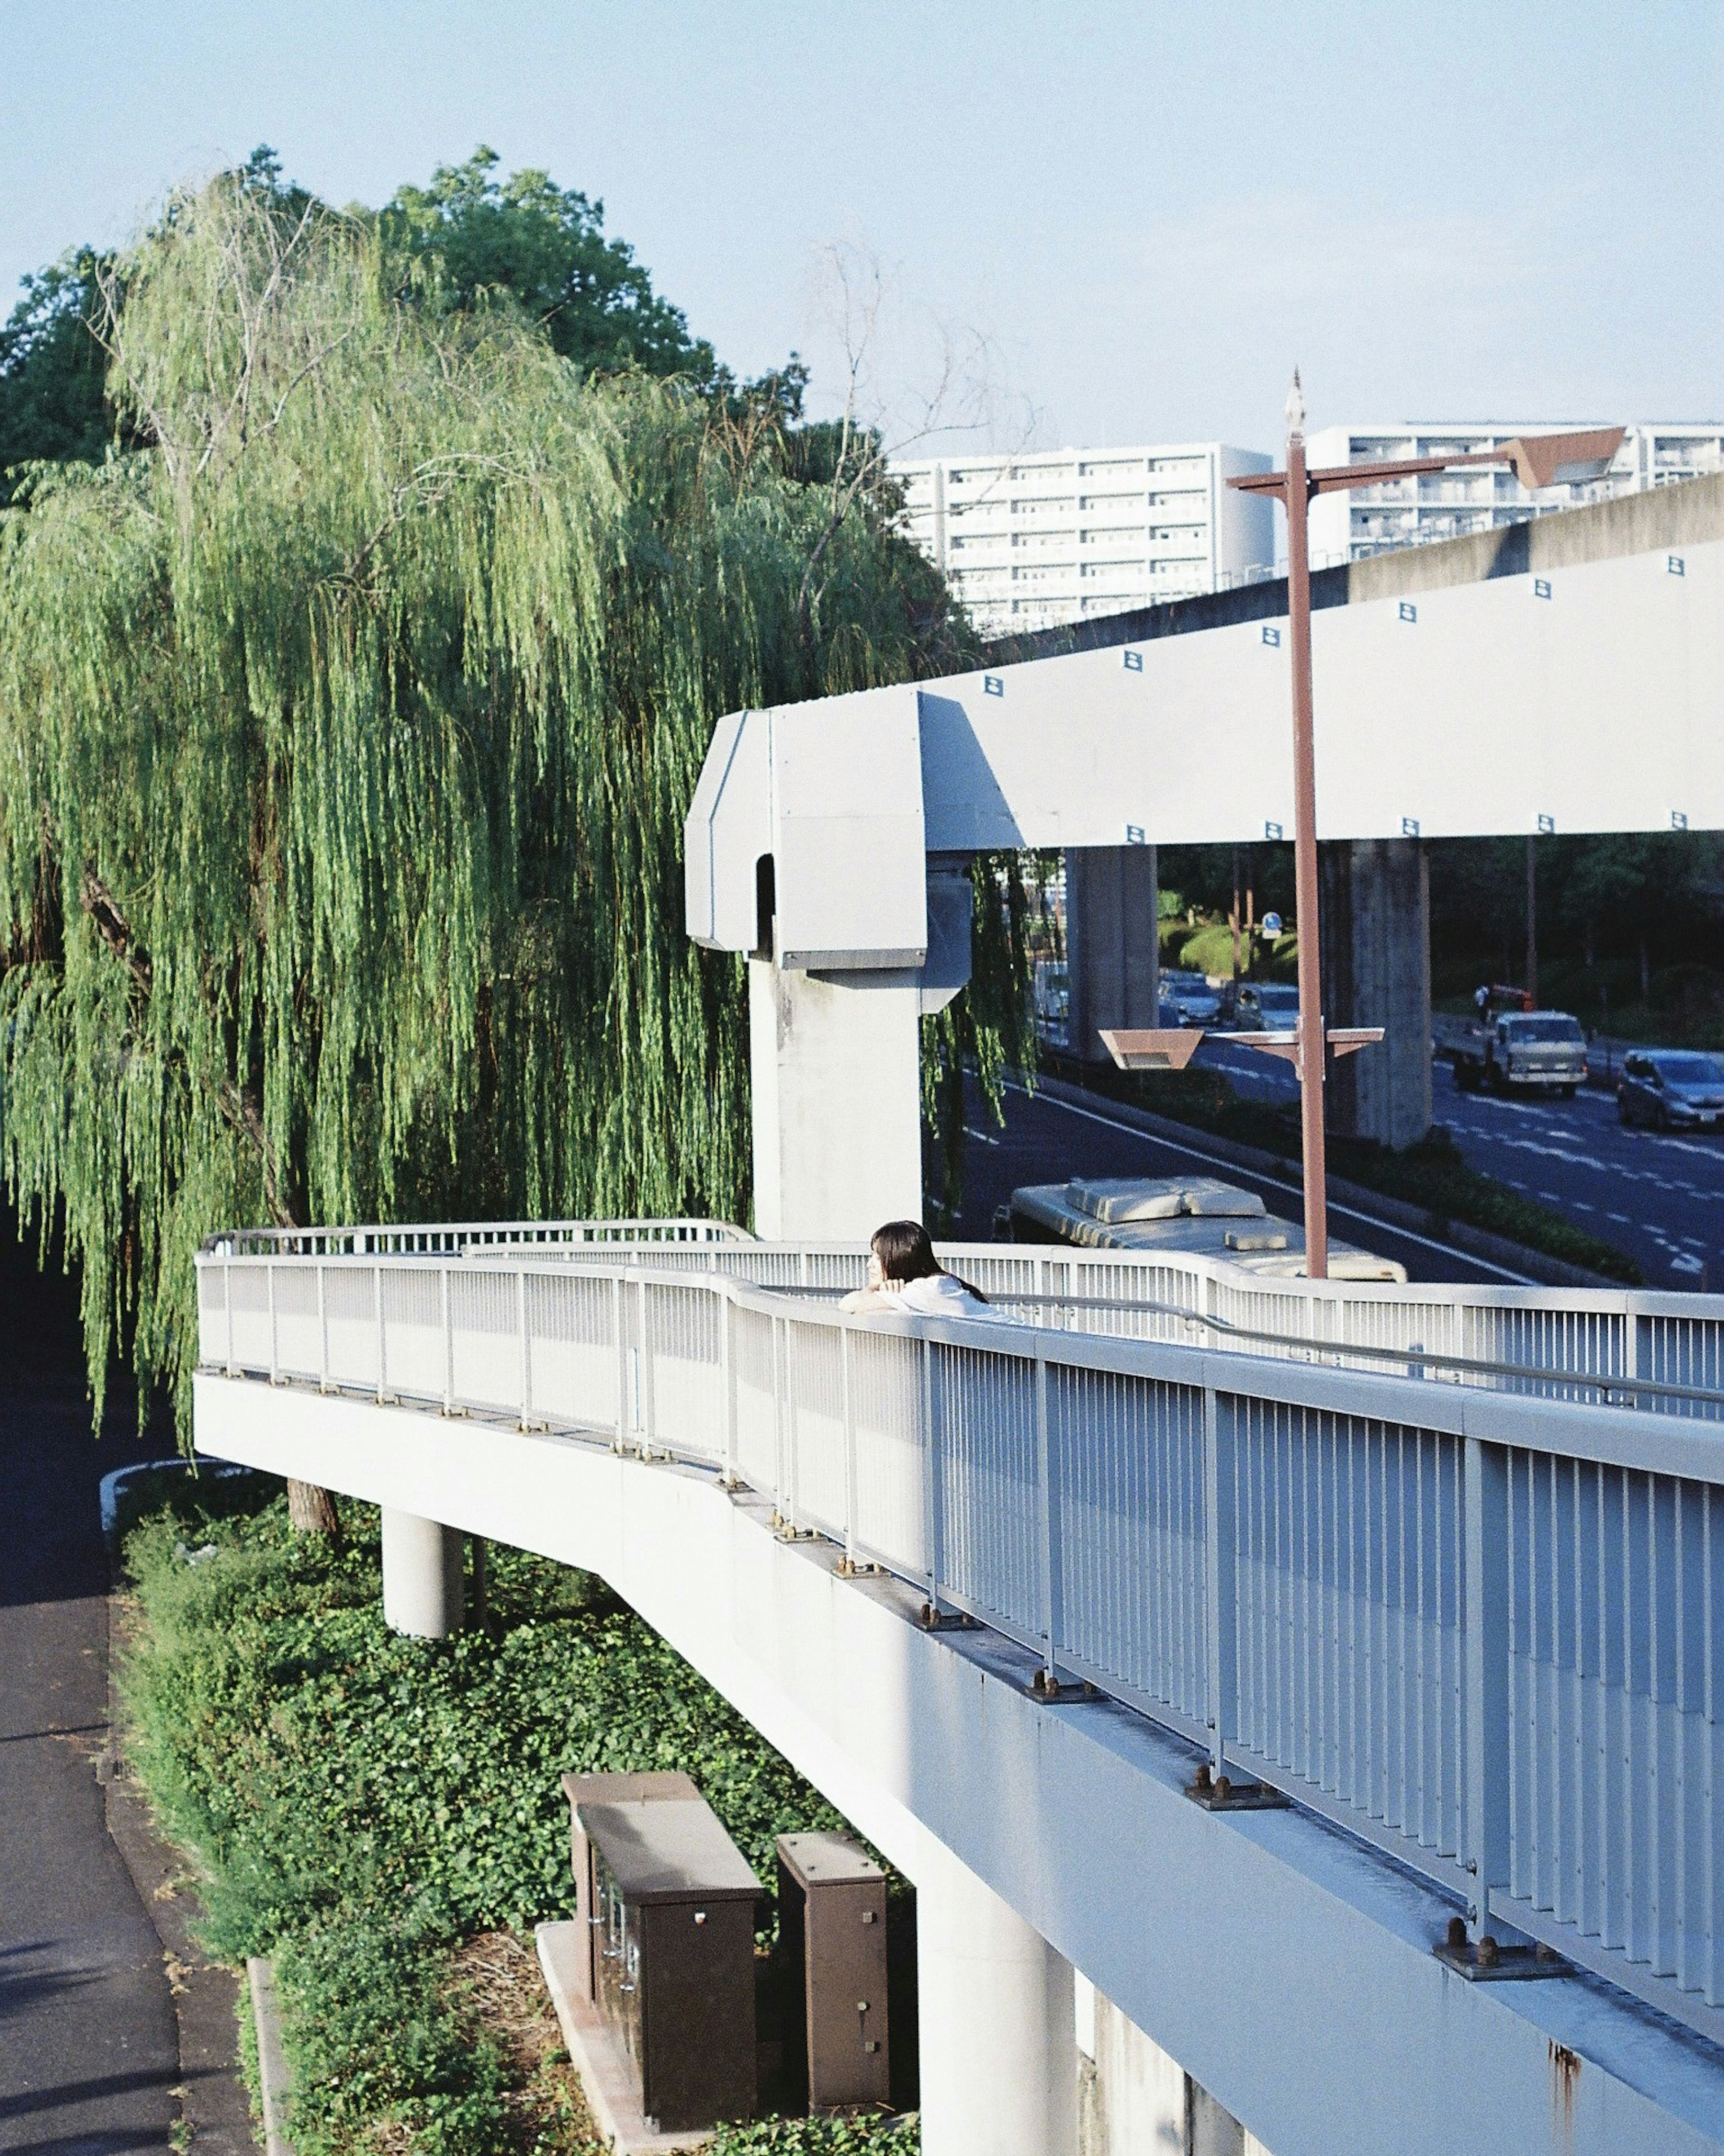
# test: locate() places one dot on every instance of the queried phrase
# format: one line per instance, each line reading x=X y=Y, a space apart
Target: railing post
x=622 y=1361
x=275 y=1344
x=449 y=1350
x=727 y=1365
x=793 y=1448
x=227 y=1297
x=844 y=1362
x=779 y=1515
x=933 y=1493
x=1220 y=1589
x=1047 y=1525
x=645 y=1386
x=376 y=1275
x=527 y=1350
x=322 y=1328
x=1485 y=1664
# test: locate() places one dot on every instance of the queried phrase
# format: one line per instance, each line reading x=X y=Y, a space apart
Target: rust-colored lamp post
x=1538 y=460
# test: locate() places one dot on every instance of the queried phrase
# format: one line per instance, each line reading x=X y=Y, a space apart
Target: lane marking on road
x=1215 y=1160
x=986 y=1136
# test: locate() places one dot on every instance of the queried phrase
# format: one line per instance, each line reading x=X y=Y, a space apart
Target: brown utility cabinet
x=832 y=1934
x=675 y=1901
x=668 y=1786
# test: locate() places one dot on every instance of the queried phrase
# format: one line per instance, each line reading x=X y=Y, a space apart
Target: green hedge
x=361 y=1802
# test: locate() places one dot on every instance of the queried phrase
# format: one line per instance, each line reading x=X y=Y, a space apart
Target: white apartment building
x=1346 y=526
x=1051 y=537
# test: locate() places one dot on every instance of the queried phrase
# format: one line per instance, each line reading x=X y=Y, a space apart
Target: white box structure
x=1056 y=536
x=1410 y=512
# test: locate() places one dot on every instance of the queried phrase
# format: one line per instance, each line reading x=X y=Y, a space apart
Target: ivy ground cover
x=384 y=1817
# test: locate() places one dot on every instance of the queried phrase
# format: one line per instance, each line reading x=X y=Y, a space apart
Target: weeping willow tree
x=346 y=729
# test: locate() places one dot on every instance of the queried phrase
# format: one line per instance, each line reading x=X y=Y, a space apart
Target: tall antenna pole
x=1305 y=848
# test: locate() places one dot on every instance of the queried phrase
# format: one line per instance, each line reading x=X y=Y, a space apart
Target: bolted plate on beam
x=1154 y=1048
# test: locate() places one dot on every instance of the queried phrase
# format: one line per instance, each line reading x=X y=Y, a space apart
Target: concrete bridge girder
x=1075 y=1815
x=1583 y=698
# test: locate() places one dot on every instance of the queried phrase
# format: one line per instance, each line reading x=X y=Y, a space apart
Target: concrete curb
x=598 y=2055
x=274 y=2084
x=1393 y=1212
x=215 y=2104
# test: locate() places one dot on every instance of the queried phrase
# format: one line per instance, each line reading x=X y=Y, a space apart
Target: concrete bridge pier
x=999 y=2071
x=423 y=1582
x=1377 y=971
x=833 y=1063
x=1112 y=958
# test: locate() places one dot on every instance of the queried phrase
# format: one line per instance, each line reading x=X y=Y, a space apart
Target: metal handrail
x=1308 y=1570
x=1336 y=1350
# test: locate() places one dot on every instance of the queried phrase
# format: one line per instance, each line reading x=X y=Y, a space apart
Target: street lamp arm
x=1539 y=460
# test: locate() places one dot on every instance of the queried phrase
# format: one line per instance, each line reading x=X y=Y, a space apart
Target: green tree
x=346 y=730
x=51 y=369
x=468 y=237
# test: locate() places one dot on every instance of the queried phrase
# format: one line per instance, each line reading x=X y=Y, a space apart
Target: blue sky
x=1148 y=212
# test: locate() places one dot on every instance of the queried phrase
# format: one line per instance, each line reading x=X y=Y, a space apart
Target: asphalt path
x=1048 y=1140
x=88 y=2044
x=1658 y=1196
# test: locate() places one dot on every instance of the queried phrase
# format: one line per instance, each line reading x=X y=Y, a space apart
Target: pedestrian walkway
x=89 y=2046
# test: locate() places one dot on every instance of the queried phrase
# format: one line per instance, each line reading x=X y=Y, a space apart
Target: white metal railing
x=1482 y=1631
x=1660 y=1351
x=445 y=1239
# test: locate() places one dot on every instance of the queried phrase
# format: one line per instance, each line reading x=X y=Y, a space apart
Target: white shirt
x=935 y=1295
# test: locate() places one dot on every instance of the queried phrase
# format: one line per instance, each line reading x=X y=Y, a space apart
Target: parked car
x=1671 y=1089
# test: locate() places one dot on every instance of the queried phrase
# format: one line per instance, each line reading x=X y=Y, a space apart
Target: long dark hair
x=905 y=1253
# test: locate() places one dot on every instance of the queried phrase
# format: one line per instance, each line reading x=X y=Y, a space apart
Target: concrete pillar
x=1376 y=927
x=1112 y=957
x=836 y=1077
x=422 y=1576
x=999 y=2074
x=1137 y=2099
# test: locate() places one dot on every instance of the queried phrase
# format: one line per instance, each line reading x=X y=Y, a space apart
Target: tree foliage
x=468 y=237
x=346 y=734
x=51 y=366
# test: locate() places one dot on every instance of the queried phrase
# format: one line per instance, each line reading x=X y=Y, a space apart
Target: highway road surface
x=1047 y=1140
x=1658 y=1196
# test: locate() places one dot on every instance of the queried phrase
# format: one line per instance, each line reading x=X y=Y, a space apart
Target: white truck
x=1518 y=1051
x=1195 y=1215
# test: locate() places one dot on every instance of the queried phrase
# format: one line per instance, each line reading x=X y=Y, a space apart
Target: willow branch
x=237 y=1106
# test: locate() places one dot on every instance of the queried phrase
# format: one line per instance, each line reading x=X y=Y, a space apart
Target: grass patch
x=380 y=1814
x=1432 y=1175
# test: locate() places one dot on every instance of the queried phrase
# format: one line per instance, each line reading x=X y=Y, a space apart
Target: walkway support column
x=1112 y=957
x=422 y=1576
x=999 y=2069
x=833 y=1061
x=1376 y=930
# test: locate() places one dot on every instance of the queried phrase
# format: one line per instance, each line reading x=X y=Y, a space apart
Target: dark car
x=1671 y=1089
